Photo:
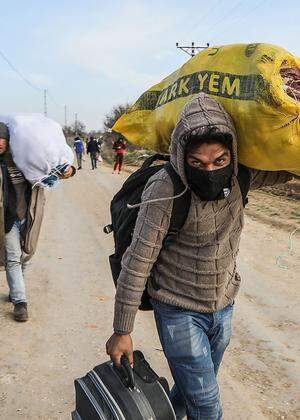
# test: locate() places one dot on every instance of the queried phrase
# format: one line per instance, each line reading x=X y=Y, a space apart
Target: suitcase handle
x=128 y=376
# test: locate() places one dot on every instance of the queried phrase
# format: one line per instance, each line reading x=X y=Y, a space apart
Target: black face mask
x=210 y=185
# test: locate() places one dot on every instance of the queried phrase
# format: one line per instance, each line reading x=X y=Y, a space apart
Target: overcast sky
x=94 y=54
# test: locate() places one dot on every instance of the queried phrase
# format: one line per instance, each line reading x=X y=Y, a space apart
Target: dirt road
x=71 y=304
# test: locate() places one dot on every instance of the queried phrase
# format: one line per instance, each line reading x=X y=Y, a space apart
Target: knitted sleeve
x=151 y=227
x=261 y=179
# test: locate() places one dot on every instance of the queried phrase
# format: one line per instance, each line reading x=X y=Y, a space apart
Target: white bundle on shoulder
x=37 y=144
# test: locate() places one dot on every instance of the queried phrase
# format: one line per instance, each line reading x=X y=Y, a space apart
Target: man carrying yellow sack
x=193 y=281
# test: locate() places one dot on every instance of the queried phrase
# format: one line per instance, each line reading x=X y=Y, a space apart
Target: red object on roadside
x=120 y=148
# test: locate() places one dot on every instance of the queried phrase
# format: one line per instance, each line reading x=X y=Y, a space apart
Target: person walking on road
x=100 y=142
x=193 y=281
x=79 y=150
x=21 y=217
x=119 y=147
x=93 y=149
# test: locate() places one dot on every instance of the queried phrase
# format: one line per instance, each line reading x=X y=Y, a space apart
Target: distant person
x=93 y=149
x=79 y=150
x=100 y=142
x=119 y=147
x=20 y=218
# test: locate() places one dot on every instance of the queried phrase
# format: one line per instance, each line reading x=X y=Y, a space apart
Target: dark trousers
x=79 y=159
x=118 y=162
x=94 y=159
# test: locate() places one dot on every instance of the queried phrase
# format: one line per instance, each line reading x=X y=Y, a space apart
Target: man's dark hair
x=73 y=170
x=211 y=137
x=4 y=133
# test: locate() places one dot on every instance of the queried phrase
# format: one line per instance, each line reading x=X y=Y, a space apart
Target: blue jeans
x=79 y=159
x=194 y=344
x=94 y=159
x=13 y=263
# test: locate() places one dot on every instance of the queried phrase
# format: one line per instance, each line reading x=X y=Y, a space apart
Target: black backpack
x=124 y=218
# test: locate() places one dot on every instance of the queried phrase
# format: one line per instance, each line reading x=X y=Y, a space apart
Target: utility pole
x=66 y=120
x=76 y=122
x=45 y=102
x=190 y=49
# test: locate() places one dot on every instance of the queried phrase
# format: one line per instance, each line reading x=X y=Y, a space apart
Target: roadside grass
x=133 y=157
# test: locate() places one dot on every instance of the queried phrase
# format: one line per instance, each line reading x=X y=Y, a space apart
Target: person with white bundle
x=38 y=147
x=22 y=214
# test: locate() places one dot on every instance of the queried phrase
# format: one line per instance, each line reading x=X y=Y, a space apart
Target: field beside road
x=71 y=305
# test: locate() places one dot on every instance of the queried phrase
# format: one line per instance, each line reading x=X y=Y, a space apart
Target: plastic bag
x=37 y=144
x=257 y=84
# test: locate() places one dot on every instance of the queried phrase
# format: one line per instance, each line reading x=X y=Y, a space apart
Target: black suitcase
x=108 y=393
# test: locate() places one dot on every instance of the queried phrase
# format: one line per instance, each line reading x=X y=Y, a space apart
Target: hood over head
x=198 y=117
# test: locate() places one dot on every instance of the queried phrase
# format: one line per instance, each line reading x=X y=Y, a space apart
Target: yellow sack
x=258 y=85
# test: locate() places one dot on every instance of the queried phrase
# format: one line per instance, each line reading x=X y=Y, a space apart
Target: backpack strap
x=158 y=156
x=181 y=205
x=244 y=179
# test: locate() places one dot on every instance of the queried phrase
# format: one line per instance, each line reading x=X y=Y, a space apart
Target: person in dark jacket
x=93 y=149
x=21 y=219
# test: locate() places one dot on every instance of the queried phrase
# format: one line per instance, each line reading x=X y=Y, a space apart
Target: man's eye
x=221 y=160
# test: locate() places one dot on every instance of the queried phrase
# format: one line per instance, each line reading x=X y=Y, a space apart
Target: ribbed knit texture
x=197 y=271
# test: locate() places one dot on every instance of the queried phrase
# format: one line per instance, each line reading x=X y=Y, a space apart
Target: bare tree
x=77 y=128
x=114 y=115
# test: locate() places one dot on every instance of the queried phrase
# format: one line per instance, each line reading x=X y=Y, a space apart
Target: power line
x=66 y=115
x=234 y=8
x=54 y=101
x=76 y=123
x=202 y=18
x=45 y=103
x=241 y=18
x=26 y=80
x=46 y=94
x=19 y=73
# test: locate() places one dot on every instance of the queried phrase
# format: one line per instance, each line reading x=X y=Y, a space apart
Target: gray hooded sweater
x=197 y=271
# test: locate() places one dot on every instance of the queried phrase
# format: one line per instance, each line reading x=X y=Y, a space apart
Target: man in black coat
x=93 y=149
